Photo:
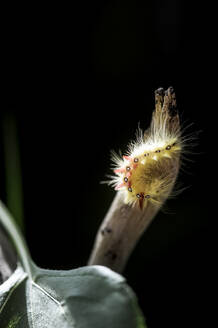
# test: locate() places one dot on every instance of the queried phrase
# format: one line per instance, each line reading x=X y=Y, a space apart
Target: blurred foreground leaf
x=13 y=176
x=88 y=297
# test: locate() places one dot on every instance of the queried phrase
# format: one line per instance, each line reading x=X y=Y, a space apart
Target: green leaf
x=14 y=322
x=87 y=297
x=13 y=301
x=13 y=176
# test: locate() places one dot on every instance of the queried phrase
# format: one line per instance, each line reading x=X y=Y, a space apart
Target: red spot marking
x=135 y=166
x=121 y=170
x=128 y=158
x=129 y=184
x=119 y=186
x=128 y=174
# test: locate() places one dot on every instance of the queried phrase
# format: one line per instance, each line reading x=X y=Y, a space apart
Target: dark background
x=78 y=81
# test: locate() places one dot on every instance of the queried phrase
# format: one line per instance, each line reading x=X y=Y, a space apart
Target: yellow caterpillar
x=147 y=172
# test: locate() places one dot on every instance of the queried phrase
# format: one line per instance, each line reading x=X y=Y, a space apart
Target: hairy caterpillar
x=147 y=172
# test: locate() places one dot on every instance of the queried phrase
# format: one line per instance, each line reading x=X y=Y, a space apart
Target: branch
x=144 y=180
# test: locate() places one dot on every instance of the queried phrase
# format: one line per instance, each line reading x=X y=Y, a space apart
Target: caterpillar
x=146 y=173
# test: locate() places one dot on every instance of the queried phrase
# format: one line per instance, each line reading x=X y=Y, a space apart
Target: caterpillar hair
x=147 y=172
x=144 y=178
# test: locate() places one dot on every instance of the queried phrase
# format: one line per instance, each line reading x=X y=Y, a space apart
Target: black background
x=78 y=81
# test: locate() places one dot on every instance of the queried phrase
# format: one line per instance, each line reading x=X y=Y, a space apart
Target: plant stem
x=119 y=233
x=125 y=223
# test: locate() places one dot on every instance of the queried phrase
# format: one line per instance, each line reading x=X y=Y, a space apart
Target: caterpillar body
x=148 y=170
